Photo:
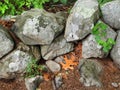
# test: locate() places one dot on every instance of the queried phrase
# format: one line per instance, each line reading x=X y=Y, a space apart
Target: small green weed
x=33 y=69
x=99 y=31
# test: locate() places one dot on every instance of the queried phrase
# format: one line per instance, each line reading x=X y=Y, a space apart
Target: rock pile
x=55 y=35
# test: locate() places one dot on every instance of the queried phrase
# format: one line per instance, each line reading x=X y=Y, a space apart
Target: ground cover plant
x=99 y=31
x=14 y=7
x=34 y=69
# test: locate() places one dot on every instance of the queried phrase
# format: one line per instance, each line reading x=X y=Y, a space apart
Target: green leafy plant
x=13 y=7
x=101 y=2
x=34 y=69
x=99 y=31
x=61 y=1
x=65 y=2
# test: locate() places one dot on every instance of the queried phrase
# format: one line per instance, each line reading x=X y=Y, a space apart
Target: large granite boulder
x=111 y=13
x=6 y=42
x=90 y=48
x=115 y=52
x=58 y=47
x=16 y=62
x=81 y=19
x=38 y=26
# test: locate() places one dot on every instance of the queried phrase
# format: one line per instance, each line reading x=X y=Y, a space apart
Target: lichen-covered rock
x=16 y=62
x=33 y=83
x=111 y=13
x=90 y=71
x=58 y=47
x=115 y=52
x=81 y=19
x=6 y=42
x=38 y=26
x=90 y=48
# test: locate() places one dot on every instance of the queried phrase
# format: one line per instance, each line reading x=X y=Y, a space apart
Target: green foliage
x=61 y=1
x=33 y=69
x=101 y=2
x=14 y=7
x=65 y=2
x=99 y=31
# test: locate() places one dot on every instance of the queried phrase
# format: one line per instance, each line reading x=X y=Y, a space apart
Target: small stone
x=58 y=81
x=119 y=84
x=32 y=83
x=53 y=66
x=114 y=84
x=59 y=59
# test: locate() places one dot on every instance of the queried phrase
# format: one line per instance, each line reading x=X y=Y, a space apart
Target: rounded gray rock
x=115 y=52
x=53 y=66
x=114 y=84
x=6 y=42
x=111 y=13
x=37 y=26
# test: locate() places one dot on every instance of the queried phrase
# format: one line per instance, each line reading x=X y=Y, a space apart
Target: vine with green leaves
x=100 y=31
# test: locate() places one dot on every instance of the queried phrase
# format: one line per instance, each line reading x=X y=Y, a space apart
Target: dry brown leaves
x=47 y=76
x=72 y=58
x=70 y=61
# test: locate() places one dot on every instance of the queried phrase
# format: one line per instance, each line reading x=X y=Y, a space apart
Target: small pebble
x=114 y=84
x=119 y=83
x=58 y=81
x=53 y=66
x=59 y=59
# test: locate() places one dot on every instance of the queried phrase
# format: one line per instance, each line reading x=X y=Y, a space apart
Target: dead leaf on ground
x=46 y=76
x=70 y=61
